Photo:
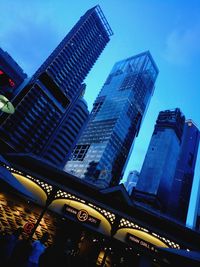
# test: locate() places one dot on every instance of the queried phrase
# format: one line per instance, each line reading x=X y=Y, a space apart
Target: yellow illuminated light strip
x=127 y=224
x=110 y=216
x=63 y=194
x=104 y=227
x=143 y=236
x=32 y=187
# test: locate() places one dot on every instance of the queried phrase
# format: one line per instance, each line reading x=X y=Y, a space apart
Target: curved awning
x=35 y=191
x=139 y=237
x=73 y=208
x=7 y=178
x=72 y=188
x=11 y=180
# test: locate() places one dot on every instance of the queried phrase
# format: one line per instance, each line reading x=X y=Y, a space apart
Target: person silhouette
x=20 y=254
x=38 y=247
x=58 y=253
x=9 y=241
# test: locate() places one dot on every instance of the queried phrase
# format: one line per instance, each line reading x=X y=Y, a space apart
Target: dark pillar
x=50 y=198
x=106 y=253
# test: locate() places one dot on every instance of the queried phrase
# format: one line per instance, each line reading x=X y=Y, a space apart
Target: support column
x=50 y=198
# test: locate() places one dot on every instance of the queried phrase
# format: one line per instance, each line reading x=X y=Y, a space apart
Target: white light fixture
x=6 y=105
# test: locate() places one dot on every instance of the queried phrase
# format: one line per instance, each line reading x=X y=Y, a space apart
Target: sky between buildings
x=169 y=29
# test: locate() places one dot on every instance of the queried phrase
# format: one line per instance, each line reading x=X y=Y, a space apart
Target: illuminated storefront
x=72 y=200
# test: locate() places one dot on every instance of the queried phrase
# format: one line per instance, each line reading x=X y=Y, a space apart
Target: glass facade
x=53 y=94
x=156 y=177
x=103 y=148
x=184 y=174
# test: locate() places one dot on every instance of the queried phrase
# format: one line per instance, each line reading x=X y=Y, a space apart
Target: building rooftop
x=103 y=20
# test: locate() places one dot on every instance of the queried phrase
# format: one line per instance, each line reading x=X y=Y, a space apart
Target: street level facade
x=118 y=231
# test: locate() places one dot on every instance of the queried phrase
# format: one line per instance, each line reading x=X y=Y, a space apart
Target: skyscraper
x=51 y=96
x=102 y=151
x=69 y=64
x=184 y=174
x=60 y=146
x=157 y=174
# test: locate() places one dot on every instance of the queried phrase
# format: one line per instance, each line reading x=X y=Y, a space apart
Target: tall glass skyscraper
x=184 y=173
x=52 y=94
x=102 y=151
x=157 y=174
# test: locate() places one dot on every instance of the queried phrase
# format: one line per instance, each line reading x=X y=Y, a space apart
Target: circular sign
x=28 y=227
x=82 y=215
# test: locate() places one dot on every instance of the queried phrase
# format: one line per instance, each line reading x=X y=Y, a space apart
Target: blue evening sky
x=170 y=29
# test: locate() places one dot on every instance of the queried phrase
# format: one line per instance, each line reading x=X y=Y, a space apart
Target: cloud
x=182 y=45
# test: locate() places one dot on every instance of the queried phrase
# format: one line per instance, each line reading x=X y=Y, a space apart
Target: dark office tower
x=156 y=177
x=184 y=174
x=68 y=65
x=103 y=148
x=11 y=75
x=47 y=102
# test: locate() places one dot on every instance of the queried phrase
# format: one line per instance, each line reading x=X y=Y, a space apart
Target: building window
x=129 y=82
x=97 y=105
x=80 y=152
x=191 y=159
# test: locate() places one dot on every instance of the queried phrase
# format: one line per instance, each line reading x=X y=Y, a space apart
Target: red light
x=5 y=80
x=11 y=83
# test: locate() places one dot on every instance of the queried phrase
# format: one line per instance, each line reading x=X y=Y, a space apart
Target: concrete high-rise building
x=157 y=174
x=184 y=174
x=60 y=147
x=102 y=151
x=69 y=64
x=11 y=75
x=53 y=94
